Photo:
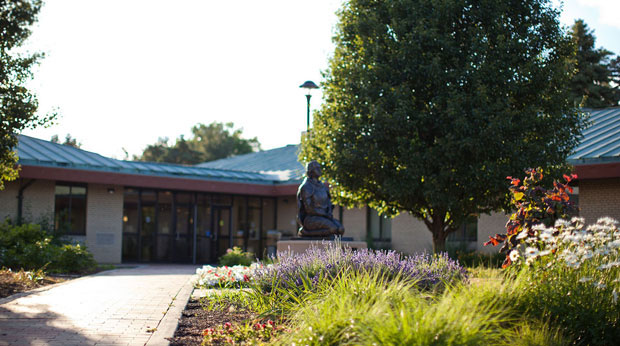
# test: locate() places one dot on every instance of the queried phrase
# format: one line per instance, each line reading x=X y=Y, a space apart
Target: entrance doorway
x=222 y=219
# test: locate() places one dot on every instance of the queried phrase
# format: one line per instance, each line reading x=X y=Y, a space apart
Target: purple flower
x=325 y=263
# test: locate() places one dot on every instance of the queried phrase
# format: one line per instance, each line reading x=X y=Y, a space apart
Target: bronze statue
x=314 y=206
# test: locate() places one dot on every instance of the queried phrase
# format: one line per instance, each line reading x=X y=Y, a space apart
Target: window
x=468 y=232
x=70 y=209
x=379 y=227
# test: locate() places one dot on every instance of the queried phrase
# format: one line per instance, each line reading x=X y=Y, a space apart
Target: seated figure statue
x=314 y=206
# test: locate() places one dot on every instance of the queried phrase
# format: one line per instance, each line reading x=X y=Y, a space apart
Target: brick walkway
x=117 y=307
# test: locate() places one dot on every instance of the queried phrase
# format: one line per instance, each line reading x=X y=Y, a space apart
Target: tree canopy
x=18 y=106
x=69 y=141
x=209 y=142
x=429 y=105
x=596 y=84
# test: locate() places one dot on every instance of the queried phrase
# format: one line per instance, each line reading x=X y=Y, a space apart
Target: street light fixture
x=308 y=85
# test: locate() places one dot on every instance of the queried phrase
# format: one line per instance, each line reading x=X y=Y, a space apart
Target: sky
x=122 y=73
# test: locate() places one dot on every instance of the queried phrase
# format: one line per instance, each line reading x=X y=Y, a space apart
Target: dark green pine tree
x=596 y=82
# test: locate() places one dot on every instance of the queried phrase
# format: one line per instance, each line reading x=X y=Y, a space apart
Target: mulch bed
x=10 y=285
x=195 y=319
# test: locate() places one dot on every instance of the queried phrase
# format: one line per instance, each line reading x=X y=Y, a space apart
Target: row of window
x=70 y=217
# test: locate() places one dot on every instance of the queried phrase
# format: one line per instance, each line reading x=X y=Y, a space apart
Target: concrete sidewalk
x=132 y=306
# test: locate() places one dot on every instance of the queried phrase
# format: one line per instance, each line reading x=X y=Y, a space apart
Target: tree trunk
x=437 y=228
x=439 y=240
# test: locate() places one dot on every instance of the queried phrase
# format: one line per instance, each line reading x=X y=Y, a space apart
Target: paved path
x=132 y=306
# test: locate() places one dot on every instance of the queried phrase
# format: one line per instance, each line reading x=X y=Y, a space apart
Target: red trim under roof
x=156 y=182
x=598 y=171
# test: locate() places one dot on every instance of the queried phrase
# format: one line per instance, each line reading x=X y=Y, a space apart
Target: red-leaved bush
x=534 y=205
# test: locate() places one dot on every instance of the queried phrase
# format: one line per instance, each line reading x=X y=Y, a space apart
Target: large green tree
x=18 y=106
x=208 y=143
x=429 y=105
x=596 y=84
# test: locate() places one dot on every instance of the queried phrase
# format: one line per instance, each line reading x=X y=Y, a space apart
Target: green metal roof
x=281 y=161
x=37 y=152
x=601 y=141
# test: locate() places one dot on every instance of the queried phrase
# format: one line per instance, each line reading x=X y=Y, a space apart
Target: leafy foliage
x=535 y=205
x=209 y=142
x=428 y=105
x=30 y=247
x=236 y=256
x=596 y=83
x=17 y=105
x=69 y=141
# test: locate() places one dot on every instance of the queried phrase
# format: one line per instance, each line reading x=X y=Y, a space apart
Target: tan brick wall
x=354 y=222
x=39 y=200
x=38 y=203
x=104 y=222
x=410 y=235
x=287 y=211
x=8 y=201
x=490 y=225
x=598 y=198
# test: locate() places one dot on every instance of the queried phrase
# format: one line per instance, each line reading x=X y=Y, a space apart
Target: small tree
x=18 y=106
x=429 y=105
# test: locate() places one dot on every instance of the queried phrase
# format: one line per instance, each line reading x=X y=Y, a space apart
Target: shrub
x=30 y=247
x=25 y=246
x=72 y=259
x=236 y=256
x=535 y=205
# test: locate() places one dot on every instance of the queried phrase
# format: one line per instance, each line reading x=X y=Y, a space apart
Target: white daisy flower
x=531 y=251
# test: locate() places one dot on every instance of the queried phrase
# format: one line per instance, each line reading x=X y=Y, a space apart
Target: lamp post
x=308 y=85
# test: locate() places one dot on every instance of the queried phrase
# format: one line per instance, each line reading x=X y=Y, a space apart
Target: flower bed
x=572 y=277
x=225 y=277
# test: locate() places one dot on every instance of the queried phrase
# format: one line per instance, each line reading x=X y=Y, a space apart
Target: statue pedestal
x=301 y=245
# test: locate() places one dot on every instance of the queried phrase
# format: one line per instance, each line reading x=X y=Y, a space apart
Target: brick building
x=128 y=211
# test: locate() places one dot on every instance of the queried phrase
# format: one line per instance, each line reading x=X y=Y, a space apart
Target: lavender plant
x=317 y=264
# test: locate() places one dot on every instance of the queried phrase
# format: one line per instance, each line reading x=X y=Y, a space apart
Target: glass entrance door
x=147 y=233
x=223 y=230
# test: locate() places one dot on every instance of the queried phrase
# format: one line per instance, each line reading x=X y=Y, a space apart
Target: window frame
x=383 y=238
x=69 y=230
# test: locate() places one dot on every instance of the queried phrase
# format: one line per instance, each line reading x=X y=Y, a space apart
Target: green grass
x=363 y=309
